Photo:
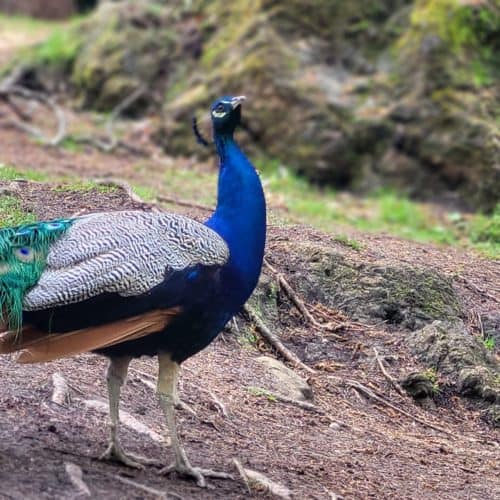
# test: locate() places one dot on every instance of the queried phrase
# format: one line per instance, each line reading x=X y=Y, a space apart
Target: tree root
x=75 y=475
x=274 y=341
x=387 y=375
x=60 y=393
x=148 y=489
x=362 y=389
x=332 y=325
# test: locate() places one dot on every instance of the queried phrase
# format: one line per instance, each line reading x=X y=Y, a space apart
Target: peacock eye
x=219 y=108
x=24 y=254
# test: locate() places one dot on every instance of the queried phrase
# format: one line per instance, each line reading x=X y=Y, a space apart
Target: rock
x=420 y=385
x=452 y=351
x=479 y=382
x=288 y=383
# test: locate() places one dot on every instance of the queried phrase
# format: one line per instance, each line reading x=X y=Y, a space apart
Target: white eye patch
x=219 y=114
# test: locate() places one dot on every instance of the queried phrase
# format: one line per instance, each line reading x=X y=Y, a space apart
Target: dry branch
x=148 y=489
x=76 y=477
x=273 y=340
x=387 y=375
x=261 y=483
x=126 y=419
x=219 y=404
x=330 y=325
x=60 y=393
x=478 y=289
x=301 y=404
x=362 y=389
x=15 y=90
x=183 y=203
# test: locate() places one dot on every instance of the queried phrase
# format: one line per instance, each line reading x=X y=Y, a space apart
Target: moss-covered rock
x=120 y=48
x=453 y=352
x=397 y=295
x=354 y=94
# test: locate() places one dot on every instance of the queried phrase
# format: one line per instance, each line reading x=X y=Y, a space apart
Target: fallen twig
x=183 y=203
x=387 y=375
x=76 y=477
x=477 y=288
x=218 y=403
x=180 y=404
x=301 y=404
x=330 y=326
x=274 y=341
x=260 y=482
x=370 y=394
x=148 y=489
x=284 y=399
x=60 y=393
x=242 y=473
x=126 y=419
x=47 y=101
x=117 y=111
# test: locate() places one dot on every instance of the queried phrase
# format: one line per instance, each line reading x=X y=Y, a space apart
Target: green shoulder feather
x=23 y=256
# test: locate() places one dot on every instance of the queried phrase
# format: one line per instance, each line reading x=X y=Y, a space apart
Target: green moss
x=259 y=391
x=60 y=48
x=348 y=242
x=11 y=212
x=487 y=228
x=9 y=173
x=467 y=44
x=84 y=187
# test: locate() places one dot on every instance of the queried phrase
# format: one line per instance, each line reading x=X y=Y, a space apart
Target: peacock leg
x=167 y=391
x=115 y=376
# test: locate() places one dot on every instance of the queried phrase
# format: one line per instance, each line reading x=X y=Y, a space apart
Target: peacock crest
x=23 y=255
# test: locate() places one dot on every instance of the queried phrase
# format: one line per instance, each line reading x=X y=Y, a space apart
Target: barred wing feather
x=123 y=252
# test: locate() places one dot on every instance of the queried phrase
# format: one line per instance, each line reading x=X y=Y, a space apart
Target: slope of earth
x=353 y=446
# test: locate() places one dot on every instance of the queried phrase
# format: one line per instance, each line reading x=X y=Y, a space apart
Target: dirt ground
x=355 y=448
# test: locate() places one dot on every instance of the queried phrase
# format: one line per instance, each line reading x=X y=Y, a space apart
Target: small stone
x=288 y=383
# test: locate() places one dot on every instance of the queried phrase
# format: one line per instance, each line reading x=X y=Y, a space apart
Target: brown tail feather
x=37 y=347
x=14 y=341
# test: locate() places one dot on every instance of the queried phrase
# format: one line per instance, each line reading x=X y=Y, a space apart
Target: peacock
x=133 y=283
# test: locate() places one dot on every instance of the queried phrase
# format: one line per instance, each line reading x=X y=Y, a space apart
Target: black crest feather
x=199 y=137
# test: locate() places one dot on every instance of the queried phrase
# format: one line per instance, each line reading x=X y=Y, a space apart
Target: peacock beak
x=236 y=101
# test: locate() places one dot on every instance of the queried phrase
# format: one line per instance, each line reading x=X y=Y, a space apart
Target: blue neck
x=240 y=216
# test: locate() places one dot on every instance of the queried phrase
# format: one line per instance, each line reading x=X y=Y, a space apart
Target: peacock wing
x=127 y=253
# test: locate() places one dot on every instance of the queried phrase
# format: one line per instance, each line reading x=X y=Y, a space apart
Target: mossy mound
x=355 y=95
x=106 y=57
x=397 y=295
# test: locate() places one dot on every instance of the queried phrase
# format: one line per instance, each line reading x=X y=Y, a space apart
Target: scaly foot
x=115 y=453
x=196 y=473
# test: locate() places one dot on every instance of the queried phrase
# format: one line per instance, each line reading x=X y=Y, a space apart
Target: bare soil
x=361 y=449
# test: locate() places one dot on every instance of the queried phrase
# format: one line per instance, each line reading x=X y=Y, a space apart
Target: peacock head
x=226 y=114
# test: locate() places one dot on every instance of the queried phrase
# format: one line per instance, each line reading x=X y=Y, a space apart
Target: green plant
x=432 y=377
x=489 y=343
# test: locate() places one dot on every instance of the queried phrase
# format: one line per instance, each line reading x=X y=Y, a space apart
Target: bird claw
x=115 y=453
x=196 y=473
